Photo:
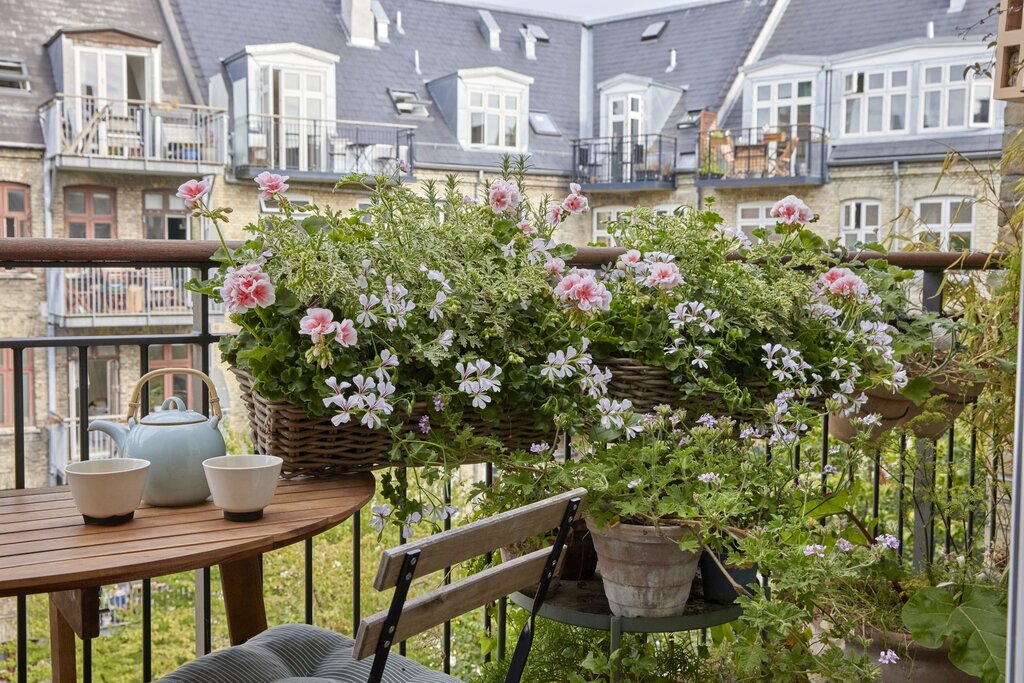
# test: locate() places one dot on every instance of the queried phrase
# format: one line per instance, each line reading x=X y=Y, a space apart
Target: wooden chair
x=290 y=651
x=780 y=167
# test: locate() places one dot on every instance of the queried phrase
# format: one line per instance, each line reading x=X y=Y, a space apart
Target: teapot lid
x=173 y=412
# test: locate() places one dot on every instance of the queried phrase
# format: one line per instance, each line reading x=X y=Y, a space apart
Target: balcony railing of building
x=95 y=132
x=625 y=162
x=781 y=155
x=913 y=522
x=320 y=147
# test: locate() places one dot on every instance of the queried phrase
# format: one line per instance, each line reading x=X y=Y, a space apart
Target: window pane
x=803 y=114
x=511 y=124
x=291 y=80
x=898 y=112
x=898 y=79
x=764 y=93
x=876 y=81
x=493 y=129
x=618 y=107
x=764 y=116
x=155 y=229
x=847 y=211
x=871 y=215
x=956 y=73
x=102 y=230
x=155 y=353
x=957 y=107
x=511 y=102
x=932 y=109
x=476 y=99
x=153 y=201
x=981 y=104
x=76 y=202
x=15 y=201
x=803 y=89
x=933 y=74
x=10 y=229
x=101 y=205
x=750 y=213
x=785 y=91
x=851 y=240
x=493 y=101
x=476 y=130
x=959 y=241
x=875 y=114
x=634 y=104
x=931 y=212
x=313 y=83
x=76 y=230
x=961 y=212
x=175 y=203
x=179 y=351
x=852 y=116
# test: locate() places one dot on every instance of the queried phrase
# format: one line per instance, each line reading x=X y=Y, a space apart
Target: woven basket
x=313 y=446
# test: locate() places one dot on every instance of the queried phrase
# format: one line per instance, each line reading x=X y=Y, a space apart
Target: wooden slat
x=465 y=542
x=448 y=602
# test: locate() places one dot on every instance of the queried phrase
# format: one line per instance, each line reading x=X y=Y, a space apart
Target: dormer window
x=951 y=101
x=13 y=75
x=875 y=102
x=494 y=119
x=489 y=107
x=780 y=104
x=408 y=103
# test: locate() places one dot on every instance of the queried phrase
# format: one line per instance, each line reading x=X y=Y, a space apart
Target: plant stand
x=583 y=604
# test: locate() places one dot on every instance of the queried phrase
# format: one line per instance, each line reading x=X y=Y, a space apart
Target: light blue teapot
x=174 y=440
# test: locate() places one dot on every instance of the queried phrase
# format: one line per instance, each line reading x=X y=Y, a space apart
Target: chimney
x=416 y=60
x=671 y=61
x=490 y=29
x=529 y=43
x=956 y=6
x=930 y=29
x=398 y=23
x=357 y=16
x=381 y=21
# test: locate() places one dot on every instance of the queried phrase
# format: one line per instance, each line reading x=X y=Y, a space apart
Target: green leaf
x=927 y=615
x=918 y=389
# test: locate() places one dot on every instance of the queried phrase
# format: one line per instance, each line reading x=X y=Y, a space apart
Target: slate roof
x=831 y=27
x=711 y=42
x=447 y=37
x=918 y=149
x=28 y=26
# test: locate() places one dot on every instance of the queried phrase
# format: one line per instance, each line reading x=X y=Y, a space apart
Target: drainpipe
x=478 y=184
x=51 y=352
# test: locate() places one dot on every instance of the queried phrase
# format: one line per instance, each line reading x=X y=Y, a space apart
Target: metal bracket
x=386 y=640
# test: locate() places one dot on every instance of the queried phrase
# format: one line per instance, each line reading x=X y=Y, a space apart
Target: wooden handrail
x=57 y=252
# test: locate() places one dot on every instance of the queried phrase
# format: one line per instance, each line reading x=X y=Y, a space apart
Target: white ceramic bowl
x=108 y=491
x=243 y=484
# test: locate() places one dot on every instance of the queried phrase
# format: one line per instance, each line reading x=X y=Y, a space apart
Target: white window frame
x=853 y=222
x=775 y=102
x=16 y=82
x=856 y=86
x=670 y=209
x=598 y=234
x=946 y=227
x=297 y=200
x=764 y=219
x=971 y=86
x=491 y=81
x=502 y=113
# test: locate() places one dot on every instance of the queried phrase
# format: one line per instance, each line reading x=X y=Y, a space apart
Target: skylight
x=542 y=124
x=13 y=74
x=537 y=32
x=408 y=104
x=654 y=31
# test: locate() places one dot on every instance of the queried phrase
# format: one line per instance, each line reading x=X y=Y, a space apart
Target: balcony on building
x=625 y=163
x=134 y=136
x=761 y=157
x=320 y=149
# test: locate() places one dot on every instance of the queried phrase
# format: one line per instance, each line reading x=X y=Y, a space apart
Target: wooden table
x=45 y=548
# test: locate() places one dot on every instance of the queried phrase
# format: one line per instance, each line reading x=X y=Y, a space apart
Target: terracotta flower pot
x=956 y=395
x=645 y=574
x=917 y=664
x=895 y=409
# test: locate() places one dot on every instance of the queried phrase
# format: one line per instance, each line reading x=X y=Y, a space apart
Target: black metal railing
x=321 y=145
x=19 y=253
x=778 y=154
x=635 y=160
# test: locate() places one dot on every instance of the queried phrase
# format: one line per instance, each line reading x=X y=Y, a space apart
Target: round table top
x=583 y=603
x=45 y=546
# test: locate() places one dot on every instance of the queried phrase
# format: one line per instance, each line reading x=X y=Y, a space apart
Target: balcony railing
x=102 y=133
x=786 y=155
x=914 y=522
x=316 y=146
x=80 y=297
x=625 y=162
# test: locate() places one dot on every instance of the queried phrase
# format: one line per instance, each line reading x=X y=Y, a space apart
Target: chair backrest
x=398 y=565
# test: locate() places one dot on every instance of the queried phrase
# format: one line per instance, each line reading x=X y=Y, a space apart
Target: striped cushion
x=297 y=653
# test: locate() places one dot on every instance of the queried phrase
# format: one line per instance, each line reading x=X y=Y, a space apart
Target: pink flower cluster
x=574 y=203
x=271 y=184
x=845 y=283
x=583 y=293
x=792 y=211
x=504 y=197
x=663 y=275
x=246 y=287
x=319 y=323
x=192 y=191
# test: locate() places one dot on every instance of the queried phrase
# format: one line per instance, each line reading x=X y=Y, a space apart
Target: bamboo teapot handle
x=134 y=403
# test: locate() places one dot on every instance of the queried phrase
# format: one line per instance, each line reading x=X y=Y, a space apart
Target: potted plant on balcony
x=710 y=170
x=393 y=337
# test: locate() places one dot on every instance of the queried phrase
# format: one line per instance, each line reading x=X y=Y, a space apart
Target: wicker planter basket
x=313 y=446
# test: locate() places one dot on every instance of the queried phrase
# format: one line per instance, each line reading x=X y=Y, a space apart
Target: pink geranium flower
x=554 y=265
x=575 y=203
x=554 y=214
x=582 y=292
x=504 y=197
x=246 y=287
x=192 y=191
x=271 y=184
x=664 y=276
x=574 y=188
x=845 y=283
x=792 y=210
x=526 y=228
x=346 y=333
x=317 y=323
x=629 y=260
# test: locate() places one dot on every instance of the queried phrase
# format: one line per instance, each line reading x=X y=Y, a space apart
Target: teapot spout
x=117 y=432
